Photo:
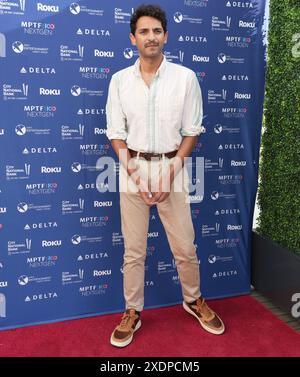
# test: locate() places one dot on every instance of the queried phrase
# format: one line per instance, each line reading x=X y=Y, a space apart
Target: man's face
x=149 y=37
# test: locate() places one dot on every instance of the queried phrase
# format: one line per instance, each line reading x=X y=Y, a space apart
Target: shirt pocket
x=172 y=111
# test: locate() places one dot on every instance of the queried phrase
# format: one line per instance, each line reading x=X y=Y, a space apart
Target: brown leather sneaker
x=123 y=333
x=208 y=319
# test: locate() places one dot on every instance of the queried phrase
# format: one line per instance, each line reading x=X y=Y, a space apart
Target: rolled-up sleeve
x=193 y=108
x=115 y=117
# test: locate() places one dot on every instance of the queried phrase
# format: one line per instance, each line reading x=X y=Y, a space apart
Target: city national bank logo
x=16 y=7
x=12 y=93
x=37 y=111
x=76 y=9
x=68 y=207
x=177 y=57
x=70 y=54
x=2 y=45
x=210 y=230
x=117 y=239
x=178 y=17
x=14 y=247
x=37 y=28
x=216 y=97
x=13 y=172
x=211 y=165
x=192 y=39
x=218 y=24
x=41 y=296
x=19 y=47
x=123 y=17
x=165 y=267
x=71 y=133
x=71 y=278
x=93 y=32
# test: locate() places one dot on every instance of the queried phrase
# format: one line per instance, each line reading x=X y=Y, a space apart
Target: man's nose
x=151 y=36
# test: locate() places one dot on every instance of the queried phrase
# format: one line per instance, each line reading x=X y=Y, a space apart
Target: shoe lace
x=127 y=317
x=203 y=309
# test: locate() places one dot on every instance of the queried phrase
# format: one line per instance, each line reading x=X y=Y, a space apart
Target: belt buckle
x=156 y=156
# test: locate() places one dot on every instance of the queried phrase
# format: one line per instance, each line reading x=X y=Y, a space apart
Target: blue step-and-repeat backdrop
x=61 y=246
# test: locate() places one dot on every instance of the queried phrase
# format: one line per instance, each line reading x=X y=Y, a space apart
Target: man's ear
x=166 y=37
x=132 y=39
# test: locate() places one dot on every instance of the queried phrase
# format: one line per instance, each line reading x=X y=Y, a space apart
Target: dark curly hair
x=149 y=10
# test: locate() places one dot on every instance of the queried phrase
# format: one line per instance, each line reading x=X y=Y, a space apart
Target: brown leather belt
x=149 y=156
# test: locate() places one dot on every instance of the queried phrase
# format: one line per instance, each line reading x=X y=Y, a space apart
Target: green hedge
x=279 y=187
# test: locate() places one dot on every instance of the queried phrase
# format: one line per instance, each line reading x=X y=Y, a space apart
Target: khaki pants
x=175 y=214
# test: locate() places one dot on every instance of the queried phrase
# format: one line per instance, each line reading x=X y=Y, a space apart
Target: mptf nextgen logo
x=40 y=28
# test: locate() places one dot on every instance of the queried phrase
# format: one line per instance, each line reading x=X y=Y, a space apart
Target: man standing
x=154 y=115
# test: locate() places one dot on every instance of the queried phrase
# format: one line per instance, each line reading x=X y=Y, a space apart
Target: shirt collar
x=159 y=72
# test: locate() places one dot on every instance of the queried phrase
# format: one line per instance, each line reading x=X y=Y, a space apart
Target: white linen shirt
x=154 y=119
